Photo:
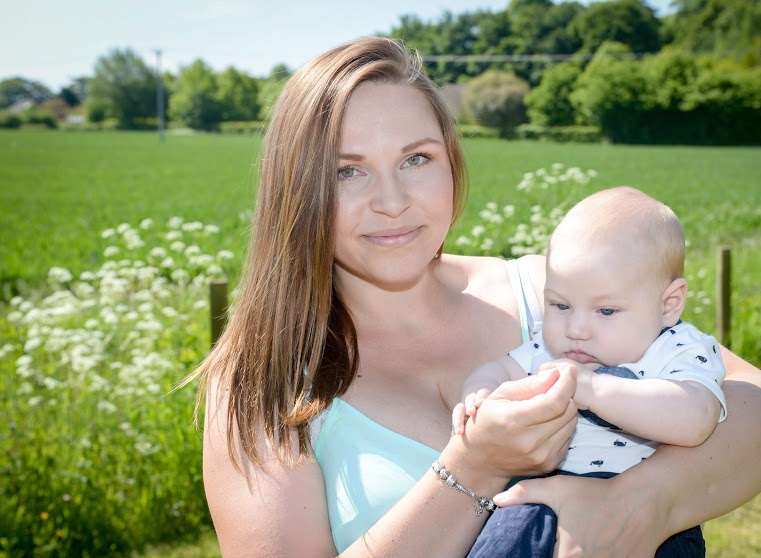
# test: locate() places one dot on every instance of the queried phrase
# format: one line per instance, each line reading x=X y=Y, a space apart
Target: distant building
x=20 y=106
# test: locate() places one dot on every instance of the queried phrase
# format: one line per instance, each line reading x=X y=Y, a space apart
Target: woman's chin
x=392 y=273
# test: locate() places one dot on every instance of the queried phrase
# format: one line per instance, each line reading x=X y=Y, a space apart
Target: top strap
x=528 y=302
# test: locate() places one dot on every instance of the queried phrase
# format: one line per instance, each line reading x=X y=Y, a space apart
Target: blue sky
x=54 y=41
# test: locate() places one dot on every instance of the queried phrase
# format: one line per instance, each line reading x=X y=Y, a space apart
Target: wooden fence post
x=723 y=294
x=217 y=308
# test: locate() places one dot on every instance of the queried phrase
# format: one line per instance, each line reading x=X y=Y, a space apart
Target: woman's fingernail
x=501 y=498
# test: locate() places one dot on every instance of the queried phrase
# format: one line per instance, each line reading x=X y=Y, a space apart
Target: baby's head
x=614 y=277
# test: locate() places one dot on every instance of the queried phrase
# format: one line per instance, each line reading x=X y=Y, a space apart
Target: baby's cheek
x=552 y=334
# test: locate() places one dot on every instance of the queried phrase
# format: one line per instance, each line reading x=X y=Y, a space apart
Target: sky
x=56 y=41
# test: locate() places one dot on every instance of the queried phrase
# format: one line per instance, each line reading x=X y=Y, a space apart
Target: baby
x=613 y=298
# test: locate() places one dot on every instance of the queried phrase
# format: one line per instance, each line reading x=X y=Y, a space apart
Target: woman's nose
x=390 y=196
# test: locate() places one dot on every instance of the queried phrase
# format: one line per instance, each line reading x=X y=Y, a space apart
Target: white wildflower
x=59 y=275
x=169 y=312
x=106 y=406
x=110 y=251
x=192 y=250
x=225 y=255
x=174 y=222
x=146 y=223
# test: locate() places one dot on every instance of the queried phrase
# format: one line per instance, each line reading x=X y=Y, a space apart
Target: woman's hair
x=290 y=345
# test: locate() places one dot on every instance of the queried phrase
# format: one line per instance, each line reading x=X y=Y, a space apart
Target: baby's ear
x=673 y=301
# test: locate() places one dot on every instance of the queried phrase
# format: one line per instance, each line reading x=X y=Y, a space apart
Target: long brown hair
x=290 y=345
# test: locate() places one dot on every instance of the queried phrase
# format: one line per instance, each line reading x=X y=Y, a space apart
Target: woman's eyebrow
x=408 y=147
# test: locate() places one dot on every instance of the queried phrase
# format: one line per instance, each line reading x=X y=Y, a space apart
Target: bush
x=610 y=94
x=9 y=120
x=576 y=134
x=495 y=99
x=549 y=104
x=41 y=118
x=476 y=131
x=244 y=127
x=671 y=98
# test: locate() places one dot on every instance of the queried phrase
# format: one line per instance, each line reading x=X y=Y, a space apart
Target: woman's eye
x=560 y=306
x=416 y=160
x=346 y=173
x=607 y=311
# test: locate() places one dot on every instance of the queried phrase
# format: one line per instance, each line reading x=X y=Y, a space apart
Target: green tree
x=195 y=101
x=726 y=27
x=631 y=22
x=609 y=93
x=495 y=99
x=17 y=89
x=123 y=87
x=541 y=27
x=549 y=104
x=238 y=94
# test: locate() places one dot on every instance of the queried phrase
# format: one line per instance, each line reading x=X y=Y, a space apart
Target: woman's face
x=394 y=186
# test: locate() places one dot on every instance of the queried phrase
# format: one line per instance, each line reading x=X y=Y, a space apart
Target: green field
x=60 y=190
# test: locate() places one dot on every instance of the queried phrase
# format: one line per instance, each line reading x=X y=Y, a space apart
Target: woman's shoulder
x=486 y=274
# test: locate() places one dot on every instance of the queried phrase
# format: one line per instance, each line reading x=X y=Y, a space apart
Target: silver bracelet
x=480 y=503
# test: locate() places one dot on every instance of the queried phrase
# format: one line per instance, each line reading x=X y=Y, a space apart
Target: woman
x=353 y=328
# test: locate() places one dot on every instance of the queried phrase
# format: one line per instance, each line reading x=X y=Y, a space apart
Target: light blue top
x=367 y=467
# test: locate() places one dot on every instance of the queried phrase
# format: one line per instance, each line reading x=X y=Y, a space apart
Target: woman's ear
x=673 y=301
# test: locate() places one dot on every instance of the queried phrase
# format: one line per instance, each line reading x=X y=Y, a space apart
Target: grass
x=60 y=189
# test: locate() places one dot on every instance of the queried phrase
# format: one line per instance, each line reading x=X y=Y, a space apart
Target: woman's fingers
x=470 y=404
x=531 y=491
x=458 y=418
x=549 y=441
x=525 y=388
x=544 y=406
x=481 y=394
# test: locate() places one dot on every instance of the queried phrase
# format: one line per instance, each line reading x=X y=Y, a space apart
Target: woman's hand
x=522 y=428
x=596 y=515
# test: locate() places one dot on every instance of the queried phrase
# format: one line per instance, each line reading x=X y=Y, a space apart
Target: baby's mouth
x=580 y=357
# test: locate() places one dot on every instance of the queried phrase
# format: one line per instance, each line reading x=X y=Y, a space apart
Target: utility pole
x=159 y=94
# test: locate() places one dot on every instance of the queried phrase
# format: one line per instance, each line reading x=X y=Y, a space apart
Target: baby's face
x=600 y=308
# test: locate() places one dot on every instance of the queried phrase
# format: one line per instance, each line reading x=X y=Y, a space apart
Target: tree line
x=693 y=76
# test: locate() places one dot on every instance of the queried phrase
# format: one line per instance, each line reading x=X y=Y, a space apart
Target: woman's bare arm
x=281 y=513
x=284 y=512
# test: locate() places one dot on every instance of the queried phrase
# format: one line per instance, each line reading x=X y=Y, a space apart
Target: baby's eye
x=416 y=160
x=560 y=306
x=346 y=173
x=608 y=311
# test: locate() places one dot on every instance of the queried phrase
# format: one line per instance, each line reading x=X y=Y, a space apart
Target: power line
x=549 y=57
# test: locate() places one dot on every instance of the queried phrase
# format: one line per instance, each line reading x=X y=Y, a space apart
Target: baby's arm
x=481 y=382
x=682 y=413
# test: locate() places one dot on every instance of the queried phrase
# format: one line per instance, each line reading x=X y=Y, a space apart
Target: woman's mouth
x=394 y=237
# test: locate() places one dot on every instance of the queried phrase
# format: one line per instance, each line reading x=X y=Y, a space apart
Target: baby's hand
x=585 y=379
x=477 y=387
x=467 y=408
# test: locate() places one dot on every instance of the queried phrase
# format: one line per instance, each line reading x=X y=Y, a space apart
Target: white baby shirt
x=679 y=353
